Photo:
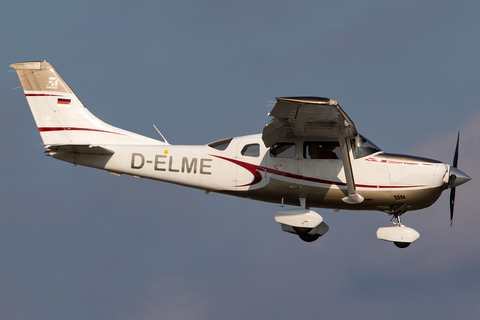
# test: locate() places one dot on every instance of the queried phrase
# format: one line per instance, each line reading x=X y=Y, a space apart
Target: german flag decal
x=63 y=101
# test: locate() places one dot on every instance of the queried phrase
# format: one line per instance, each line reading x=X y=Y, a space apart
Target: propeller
x=456 y=178
x=451 y=181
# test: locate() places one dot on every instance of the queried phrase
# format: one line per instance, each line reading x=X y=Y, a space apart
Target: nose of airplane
x=457 y=178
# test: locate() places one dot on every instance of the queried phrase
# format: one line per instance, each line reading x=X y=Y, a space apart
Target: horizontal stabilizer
x=78 y=149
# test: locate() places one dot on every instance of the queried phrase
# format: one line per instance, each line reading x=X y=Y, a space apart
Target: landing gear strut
x=399 y=244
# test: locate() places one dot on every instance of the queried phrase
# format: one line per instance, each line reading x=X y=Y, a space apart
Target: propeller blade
x=452 y=204
x=455 y=157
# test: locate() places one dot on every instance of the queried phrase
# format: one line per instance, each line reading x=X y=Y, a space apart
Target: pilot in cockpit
x=322 y=150
x=326 y=151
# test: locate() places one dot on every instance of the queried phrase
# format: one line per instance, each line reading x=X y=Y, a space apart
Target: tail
x=60 y=116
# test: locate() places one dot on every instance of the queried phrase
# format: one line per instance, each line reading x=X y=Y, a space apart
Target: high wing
x=317 y=118
x=309 y=117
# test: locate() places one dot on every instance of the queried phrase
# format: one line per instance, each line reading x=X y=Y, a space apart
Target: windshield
x=363 y=147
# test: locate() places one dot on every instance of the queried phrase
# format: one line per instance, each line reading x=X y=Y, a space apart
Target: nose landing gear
x=400 y=235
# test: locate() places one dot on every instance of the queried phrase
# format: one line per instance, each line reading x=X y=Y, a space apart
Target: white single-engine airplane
x=309 y=155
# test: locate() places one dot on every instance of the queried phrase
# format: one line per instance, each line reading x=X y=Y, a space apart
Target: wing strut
x=353 y=197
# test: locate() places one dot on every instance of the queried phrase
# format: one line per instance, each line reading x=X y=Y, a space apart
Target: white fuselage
x=382 y=179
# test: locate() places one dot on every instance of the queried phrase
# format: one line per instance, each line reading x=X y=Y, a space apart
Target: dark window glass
x=363 y=147
x=283 y=150
x=251 y=150
x=321 y=150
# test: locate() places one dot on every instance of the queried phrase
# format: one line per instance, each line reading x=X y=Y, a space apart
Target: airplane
x=310 y=155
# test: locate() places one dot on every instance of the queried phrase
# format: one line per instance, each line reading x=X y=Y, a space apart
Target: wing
x=307 y=117
x=318 y=118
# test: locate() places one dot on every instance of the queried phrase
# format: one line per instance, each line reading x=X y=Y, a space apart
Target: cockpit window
x=283 y=150
x=251 y=150
x=321 y=150
x=220 y=144
x=363 y=147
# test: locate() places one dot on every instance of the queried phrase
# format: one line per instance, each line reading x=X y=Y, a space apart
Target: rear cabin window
x=321 y=150
x=220 y=144
x=251 y=150
x=283 y=150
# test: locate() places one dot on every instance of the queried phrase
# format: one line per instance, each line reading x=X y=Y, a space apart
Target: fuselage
x=283 y=173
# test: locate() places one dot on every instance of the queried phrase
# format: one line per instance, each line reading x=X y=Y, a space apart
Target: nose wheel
x=401 y=245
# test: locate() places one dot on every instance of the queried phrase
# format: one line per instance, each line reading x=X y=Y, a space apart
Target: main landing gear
x=305 y=223
x=400 y=235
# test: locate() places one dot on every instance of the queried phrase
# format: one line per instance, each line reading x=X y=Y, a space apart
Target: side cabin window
x=251 y=150
x=283 y=150
x=321 y=150
x=220 y=144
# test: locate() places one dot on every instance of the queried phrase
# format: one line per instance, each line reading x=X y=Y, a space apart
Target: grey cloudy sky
x=78 y=243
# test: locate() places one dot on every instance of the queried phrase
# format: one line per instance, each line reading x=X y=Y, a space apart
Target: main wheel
x=308 y=237
x=402 y=244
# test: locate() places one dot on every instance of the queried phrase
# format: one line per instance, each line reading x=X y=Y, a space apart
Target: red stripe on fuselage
x=397 y=162
x=258 y=176
x=48 y=129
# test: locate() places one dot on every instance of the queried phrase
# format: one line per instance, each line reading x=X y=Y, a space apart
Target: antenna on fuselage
x=166 y=142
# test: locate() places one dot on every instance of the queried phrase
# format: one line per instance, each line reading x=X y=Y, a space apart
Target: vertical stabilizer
x=60 y=116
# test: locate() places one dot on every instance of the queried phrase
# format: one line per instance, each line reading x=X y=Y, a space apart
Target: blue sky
x=79 y=243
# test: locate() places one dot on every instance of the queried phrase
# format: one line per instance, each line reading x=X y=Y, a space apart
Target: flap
x=311 y=117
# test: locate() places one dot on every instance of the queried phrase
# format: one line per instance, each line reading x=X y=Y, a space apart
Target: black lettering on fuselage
x=142 y=161
x=170 y=161
x=158 y=162
x=193 y=165
x=203 y=166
